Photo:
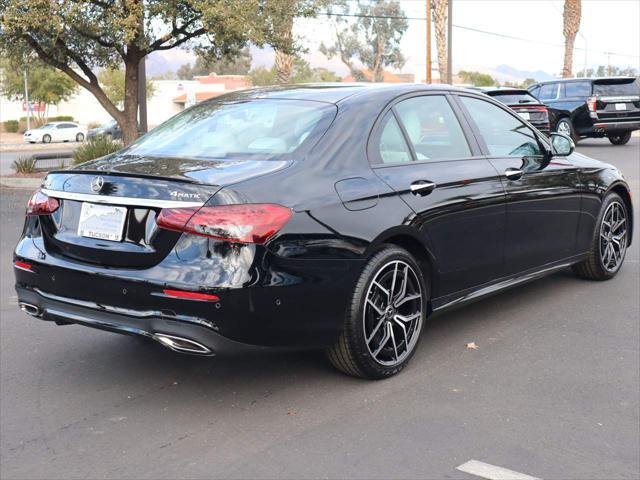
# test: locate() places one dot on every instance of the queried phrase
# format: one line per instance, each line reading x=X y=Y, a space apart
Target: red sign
x=35 y=107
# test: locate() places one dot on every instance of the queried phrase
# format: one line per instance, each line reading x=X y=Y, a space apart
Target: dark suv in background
x=593 y=107
x=525 y=105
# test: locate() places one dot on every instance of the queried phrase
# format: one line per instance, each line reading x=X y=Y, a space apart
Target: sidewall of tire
x=354 y=328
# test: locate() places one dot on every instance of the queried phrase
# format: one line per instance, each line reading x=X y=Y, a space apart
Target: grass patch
x=24 y=165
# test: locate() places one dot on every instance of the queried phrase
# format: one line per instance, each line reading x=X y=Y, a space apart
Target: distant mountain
x=522 y=74
x=161 y=62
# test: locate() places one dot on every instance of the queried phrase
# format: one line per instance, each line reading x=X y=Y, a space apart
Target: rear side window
x=548 y=92
x=504 y=134
x=391 y=146
x=433 y=128
x=616 y=87
x=577 y=89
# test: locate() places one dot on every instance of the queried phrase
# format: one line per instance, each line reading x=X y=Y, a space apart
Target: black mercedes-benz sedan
x=332 y=216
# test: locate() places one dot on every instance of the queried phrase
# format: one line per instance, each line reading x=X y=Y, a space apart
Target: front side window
x=391 y=146
x=433 y=128
x=258 y=128
x=504 y=134
x=548 y=91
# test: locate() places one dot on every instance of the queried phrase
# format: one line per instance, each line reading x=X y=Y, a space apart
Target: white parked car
x=56 y=132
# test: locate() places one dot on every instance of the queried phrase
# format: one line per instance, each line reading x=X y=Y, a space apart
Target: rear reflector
x=23 y=265
x=592 y=105
x=246 y=223
x=191 y=295
x=41 y=204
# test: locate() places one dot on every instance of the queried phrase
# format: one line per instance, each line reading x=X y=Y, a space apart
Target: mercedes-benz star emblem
x=97 y=183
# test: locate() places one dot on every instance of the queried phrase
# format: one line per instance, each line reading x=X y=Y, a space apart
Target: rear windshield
x=616 y=87
x=514 y=98
x=259 y=129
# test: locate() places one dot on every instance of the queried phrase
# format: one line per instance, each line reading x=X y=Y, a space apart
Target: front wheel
x=609 y=242
x=620 y=139
x=46 y=138
x=384 y=319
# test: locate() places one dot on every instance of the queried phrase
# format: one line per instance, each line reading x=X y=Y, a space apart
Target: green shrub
x=95 y=147
x=24 y=165
x=11 y=126
x=91 y=125
x=61 y=118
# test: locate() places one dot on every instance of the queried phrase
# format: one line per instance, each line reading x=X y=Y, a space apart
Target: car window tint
x=392 y=147
x=504 y=134
x=577 y=89
x=548 y=91
x=433 y=128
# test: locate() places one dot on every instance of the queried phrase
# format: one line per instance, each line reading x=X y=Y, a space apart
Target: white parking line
x=492 y=472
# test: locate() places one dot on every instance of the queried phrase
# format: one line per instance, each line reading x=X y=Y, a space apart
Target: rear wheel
x=384 y=320
x=46 y=138
x=565 y=127
x=609 y=242
x=620 y=139
x=80 y=137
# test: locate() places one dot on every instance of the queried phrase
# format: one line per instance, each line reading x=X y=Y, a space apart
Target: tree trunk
x=572 y=13
x=129 y=120
x=284 y=66
x=440 y=21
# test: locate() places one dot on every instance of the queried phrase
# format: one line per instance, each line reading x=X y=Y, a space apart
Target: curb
x=20 y=182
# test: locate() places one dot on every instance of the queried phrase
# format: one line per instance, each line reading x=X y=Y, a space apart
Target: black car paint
x=475 y=233
x=576 y=110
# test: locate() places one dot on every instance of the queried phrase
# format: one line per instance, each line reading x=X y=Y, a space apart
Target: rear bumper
x=203 y=339
x=613 y=126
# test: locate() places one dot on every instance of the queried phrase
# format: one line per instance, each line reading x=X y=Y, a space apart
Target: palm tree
x=440 y=20
x=572 y=12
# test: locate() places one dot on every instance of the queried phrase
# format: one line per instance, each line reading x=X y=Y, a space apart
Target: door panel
x=543 y=198
x=458 y=199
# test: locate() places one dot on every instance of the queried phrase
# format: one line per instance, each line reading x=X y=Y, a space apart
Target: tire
x=606 y=254
x=80 y=137
x=393 y=328
x=46 y=138
x=565 y=126
x=620 y=139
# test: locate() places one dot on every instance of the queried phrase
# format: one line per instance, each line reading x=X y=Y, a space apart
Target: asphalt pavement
x=552 y=391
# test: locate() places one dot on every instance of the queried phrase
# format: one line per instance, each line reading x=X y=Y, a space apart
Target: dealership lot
x=551 y=391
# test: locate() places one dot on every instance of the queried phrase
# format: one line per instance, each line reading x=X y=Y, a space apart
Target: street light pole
x=449 y=42
x=26 y=100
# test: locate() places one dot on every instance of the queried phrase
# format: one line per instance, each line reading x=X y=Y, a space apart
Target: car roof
x=58 y=123
x=588 y=79
x=331 y=92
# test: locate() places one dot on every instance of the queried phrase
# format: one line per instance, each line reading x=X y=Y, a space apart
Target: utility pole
x=428 y=41
x=26 y=100
x=449 y=42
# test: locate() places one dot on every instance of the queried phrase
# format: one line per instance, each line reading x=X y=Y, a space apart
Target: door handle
x=513 y=173
x=422 y=187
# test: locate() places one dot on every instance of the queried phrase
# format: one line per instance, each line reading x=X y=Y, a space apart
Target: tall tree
x=236 y=63
x=572 y=13
x=78 y=37
x=47 y=85
x=440 y=9
x=373 y=40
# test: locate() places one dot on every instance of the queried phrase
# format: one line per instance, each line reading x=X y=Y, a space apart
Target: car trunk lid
x=617 y=99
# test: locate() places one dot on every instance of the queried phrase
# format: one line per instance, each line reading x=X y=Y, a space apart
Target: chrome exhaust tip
x=31 y=309
x=182 y=345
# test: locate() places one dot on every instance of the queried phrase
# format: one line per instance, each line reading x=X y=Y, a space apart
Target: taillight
x=591 y=105
x=247 y=223
x=41 y=204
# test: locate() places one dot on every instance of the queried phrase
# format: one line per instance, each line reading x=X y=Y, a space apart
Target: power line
x=470 y=29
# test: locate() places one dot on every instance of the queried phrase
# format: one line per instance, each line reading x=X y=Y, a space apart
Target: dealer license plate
x=105 y=222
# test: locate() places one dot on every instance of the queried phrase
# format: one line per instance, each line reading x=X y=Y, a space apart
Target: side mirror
x=562 y=145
